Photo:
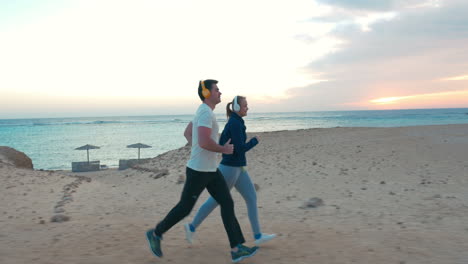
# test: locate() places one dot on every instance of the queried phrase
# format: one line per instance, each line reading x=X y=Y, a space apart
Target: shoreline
x=282 y=131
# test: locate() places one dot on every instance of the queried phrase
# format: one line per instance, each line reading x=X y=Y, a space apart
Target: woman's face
x=243 y=108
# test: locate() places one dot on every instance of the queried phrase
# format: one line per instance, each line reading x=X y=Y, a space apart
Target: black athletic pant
x=195 y=183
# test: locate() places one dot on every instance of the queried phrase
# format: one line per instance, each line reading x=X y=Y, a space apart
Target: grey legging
x=238 y=177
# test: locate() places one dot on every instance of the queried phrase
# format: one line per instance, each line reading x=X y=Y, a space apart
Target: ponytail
x=228 y=110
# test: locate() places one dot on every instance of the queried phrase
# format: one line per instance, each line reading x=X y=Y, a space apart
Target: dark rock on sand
x=312 y=203
x=59 y=218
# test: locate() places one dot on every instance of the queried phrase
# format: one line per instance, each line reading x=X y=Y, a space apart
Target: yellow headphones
x=205 y=92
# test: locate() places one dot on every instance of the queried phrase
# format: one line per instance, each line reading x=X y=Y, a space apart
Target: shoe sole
x=148 y=235
x=264 y=241
x=187 y=230
x=244 y=257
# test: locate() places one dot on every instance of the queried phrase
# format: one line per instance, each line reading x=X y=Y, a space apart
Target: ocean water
x=51 y=142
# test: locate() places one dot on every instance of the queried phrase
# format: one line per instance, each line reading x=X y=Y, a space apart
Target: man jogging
x=201 y=173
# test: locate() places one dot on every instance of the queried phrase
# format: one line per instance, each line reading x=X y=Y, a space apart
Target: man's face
x=215 y=94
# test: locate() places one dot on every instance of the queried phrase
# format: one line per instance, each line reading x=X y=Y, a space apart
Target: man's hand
x=209 y=144
x=228 y=148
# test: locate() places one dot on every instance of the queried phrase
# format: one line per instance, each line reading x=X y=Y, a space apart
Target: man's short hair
x=208 y=84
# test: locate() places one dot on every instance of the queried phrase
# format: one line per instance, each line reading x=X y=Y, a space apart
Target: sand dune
x=390 y=195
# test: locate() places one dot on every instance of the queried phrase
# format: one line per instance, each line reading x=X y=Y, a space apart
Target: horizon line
x=356 y=110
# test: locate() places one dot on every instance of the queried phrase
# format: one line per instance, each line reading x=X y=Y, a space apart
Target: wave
x=308 y=117
x=455 y=113
x=90 y=122
x=98 y=122
x=300 y=118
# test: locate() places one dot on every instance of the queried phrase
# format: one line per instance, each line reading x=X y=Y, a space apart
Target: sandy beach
x=390 y=195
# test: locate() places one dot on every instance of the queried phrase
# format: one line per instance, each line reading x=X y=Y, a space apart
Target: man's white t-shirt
x=202 y=159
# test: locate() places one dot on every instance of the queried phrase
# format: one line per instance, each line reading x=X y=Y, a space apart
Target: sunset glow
x=457 y=78
x=389 y=100
x=459 y=98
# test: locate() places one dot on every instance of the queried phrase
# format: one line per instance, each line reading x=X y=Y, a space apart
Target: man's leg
x=195 y=183
x=230 y=175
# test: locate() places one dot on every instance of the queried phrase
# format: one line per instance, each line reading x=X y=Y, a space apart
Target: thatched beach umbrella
x=87 y=147
x=138 y=146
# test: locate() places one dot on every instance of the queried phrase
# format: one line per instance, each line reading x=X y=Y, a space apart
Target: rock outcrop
x=16 y=158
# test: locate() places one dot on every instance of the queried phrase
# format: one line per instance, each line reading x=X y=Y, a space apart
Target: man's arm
x=206 y=142
x=188 y=133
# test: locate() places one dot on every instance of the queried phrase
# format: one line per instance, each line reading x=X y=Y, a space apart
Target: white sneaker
x=188 y=233
x=264 y=238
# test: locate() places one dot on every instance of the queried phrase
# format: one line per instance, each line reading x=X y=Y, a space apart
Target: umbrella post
x=138 y=146
x=87 y=147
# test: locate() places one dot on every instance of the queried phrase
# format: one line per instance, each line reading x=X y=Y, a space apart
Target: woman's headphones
x=235 y=105
x=205 y=92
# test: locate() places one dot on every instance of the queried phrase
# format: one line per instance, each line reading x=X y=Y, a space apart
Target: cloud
x=410 y=33
x=336 y=16
x=380 y=5
x=403 y=56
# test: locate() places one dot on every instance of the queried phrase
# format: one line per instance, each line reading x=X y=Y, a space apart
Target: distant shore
x=51 y=143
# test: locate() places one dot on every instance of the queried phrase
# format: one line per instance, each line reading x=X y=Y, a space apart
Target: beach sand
x=390 y=195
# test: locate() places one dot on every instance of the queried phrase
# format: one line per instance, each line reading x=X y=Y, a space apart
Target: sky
x=65 y=58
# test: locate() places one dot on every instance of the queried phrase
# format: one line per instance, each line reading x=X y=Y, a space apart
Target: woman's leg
x=246 y=188
x=219 y=190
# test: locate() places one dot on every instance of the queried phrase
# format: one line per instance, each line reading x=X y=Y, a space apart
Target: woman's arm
x=238 y=137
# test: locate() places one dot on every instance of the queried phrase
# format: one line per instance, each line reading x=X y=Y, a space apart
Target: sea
x=51 y=142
